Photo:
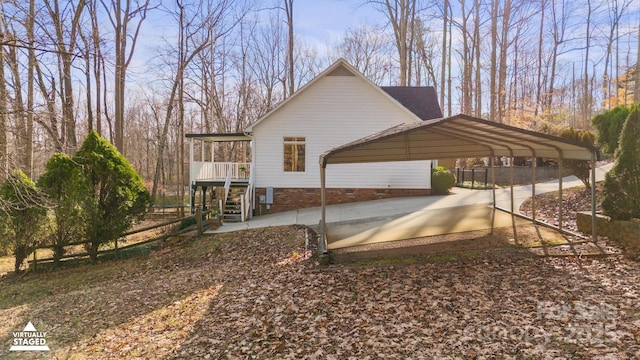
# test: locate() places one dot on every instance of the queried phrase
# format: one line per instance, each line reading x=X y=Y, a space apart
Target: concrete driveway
x=409 y=217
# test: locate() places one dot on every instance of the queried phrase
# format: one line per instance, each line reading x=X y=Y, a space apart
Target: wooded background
x=65 y=68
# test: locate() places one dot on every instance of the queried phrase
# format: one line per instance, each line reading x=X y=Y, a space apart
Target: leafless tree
x=123 y=15
x=199 y=28
x=401 y=16
x=288 y=9
x=366 y=48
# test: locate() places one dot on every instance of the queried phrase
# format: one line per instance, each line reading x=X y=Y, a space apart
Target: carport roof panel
x=456 y=136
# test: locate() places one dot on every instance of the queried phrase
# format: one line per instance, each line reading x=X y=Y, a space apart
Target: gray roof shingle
x=420 y=100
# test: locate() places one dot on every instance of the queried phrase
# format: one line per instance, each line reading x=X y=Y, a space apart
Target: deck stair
x=233 y=207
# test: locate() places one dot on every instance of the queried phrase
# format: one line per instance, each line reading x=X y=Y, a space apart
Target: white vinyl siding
x=333 y=111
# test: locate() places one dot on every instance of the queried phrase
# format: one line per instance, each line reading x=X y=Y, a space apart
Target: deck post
x=199 y=221
x=193 y=198
x=191 y=179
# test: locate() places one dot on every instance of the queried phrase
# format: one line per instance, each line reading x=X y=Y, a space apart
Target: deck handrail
x=227 y=186
x=248 y=197
x=205 y=170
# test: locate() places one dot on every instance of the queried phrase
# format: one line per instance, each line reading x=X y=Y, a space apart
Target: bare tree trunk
x=615 y=14
x=51 y=127
x=288 y=6
x=121 y=16
x=466 y=63
x=586 y=92
x=28 y=151
x=97 y=62
x=401 y=14
x=636 y=75
x=184 y=60
x=539 y=89
x=558 y=29
x=478 y=75
x=502 y=66
x=449 y=65
x=19 y=110
x=445 y=58
x=66 y=40
x=4 y=113
x=493 y=88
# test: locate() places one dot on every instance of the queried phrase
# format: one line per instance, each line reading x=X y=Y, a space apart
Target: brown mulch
x=573 y=200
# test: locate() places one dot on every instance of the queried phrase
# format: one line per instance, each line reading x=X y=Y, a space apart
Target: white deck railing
x=247 y=199
x=204 y=170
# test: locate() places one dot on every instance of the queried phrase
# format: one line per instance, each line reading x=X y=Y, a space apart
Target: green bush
x=580 y=168
x=23 y=207
x=621 y=189
x=64 y=184
x=186 y=222
x=609 y=125
x=115 y=195
x=442 y=180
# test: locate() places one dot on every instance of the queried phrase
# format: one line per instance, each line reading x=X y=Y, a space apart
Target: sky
x=321 y=23
x=318 y=24
x=324 y=23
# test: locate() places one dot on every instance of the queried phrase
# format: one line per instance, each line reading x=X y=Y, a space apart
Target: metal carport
x=456 y=137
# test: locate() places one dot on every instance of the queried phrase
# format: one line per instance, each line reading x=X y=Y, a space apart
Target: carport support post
x=323 y=227
x=493 y=191
x=513 y=215
x=533 y=188
x=560 y=175
x=594 y=236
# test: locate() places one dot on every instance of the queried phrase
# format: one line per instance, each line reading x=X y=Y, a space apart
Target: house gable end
x=340 y=68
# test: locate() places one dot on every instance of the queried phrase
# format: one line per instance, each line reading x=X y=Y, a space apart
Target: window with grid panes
x=294 y=154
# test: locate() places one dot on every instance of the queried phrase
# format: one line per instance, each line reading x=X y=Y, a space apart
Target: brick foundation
x=285 y=199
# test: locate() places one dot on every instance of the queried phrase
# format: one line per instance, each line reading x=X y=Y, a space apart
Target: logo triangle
x=29 y=327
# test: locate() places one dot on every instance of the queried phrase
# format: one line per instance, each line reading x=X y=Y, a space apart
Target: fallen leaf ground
x=256 y=295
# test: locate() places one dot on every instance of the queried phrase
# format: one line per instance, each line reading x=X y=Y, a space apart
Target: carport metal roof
x=455 y=137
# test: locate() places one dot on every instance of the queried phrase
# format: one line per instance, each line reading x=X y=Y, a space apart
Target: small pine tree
x=23 y=209
x=65 y=186
x=116 y=194
x=621 y=189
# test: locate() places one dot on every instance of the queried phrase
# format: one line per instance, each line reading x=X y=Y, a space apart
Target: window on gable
x=294 y=151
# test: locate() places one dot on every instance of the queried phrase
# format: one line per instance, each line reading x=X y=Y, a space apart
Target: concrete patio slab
x=425 y=222
x=409 y=217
